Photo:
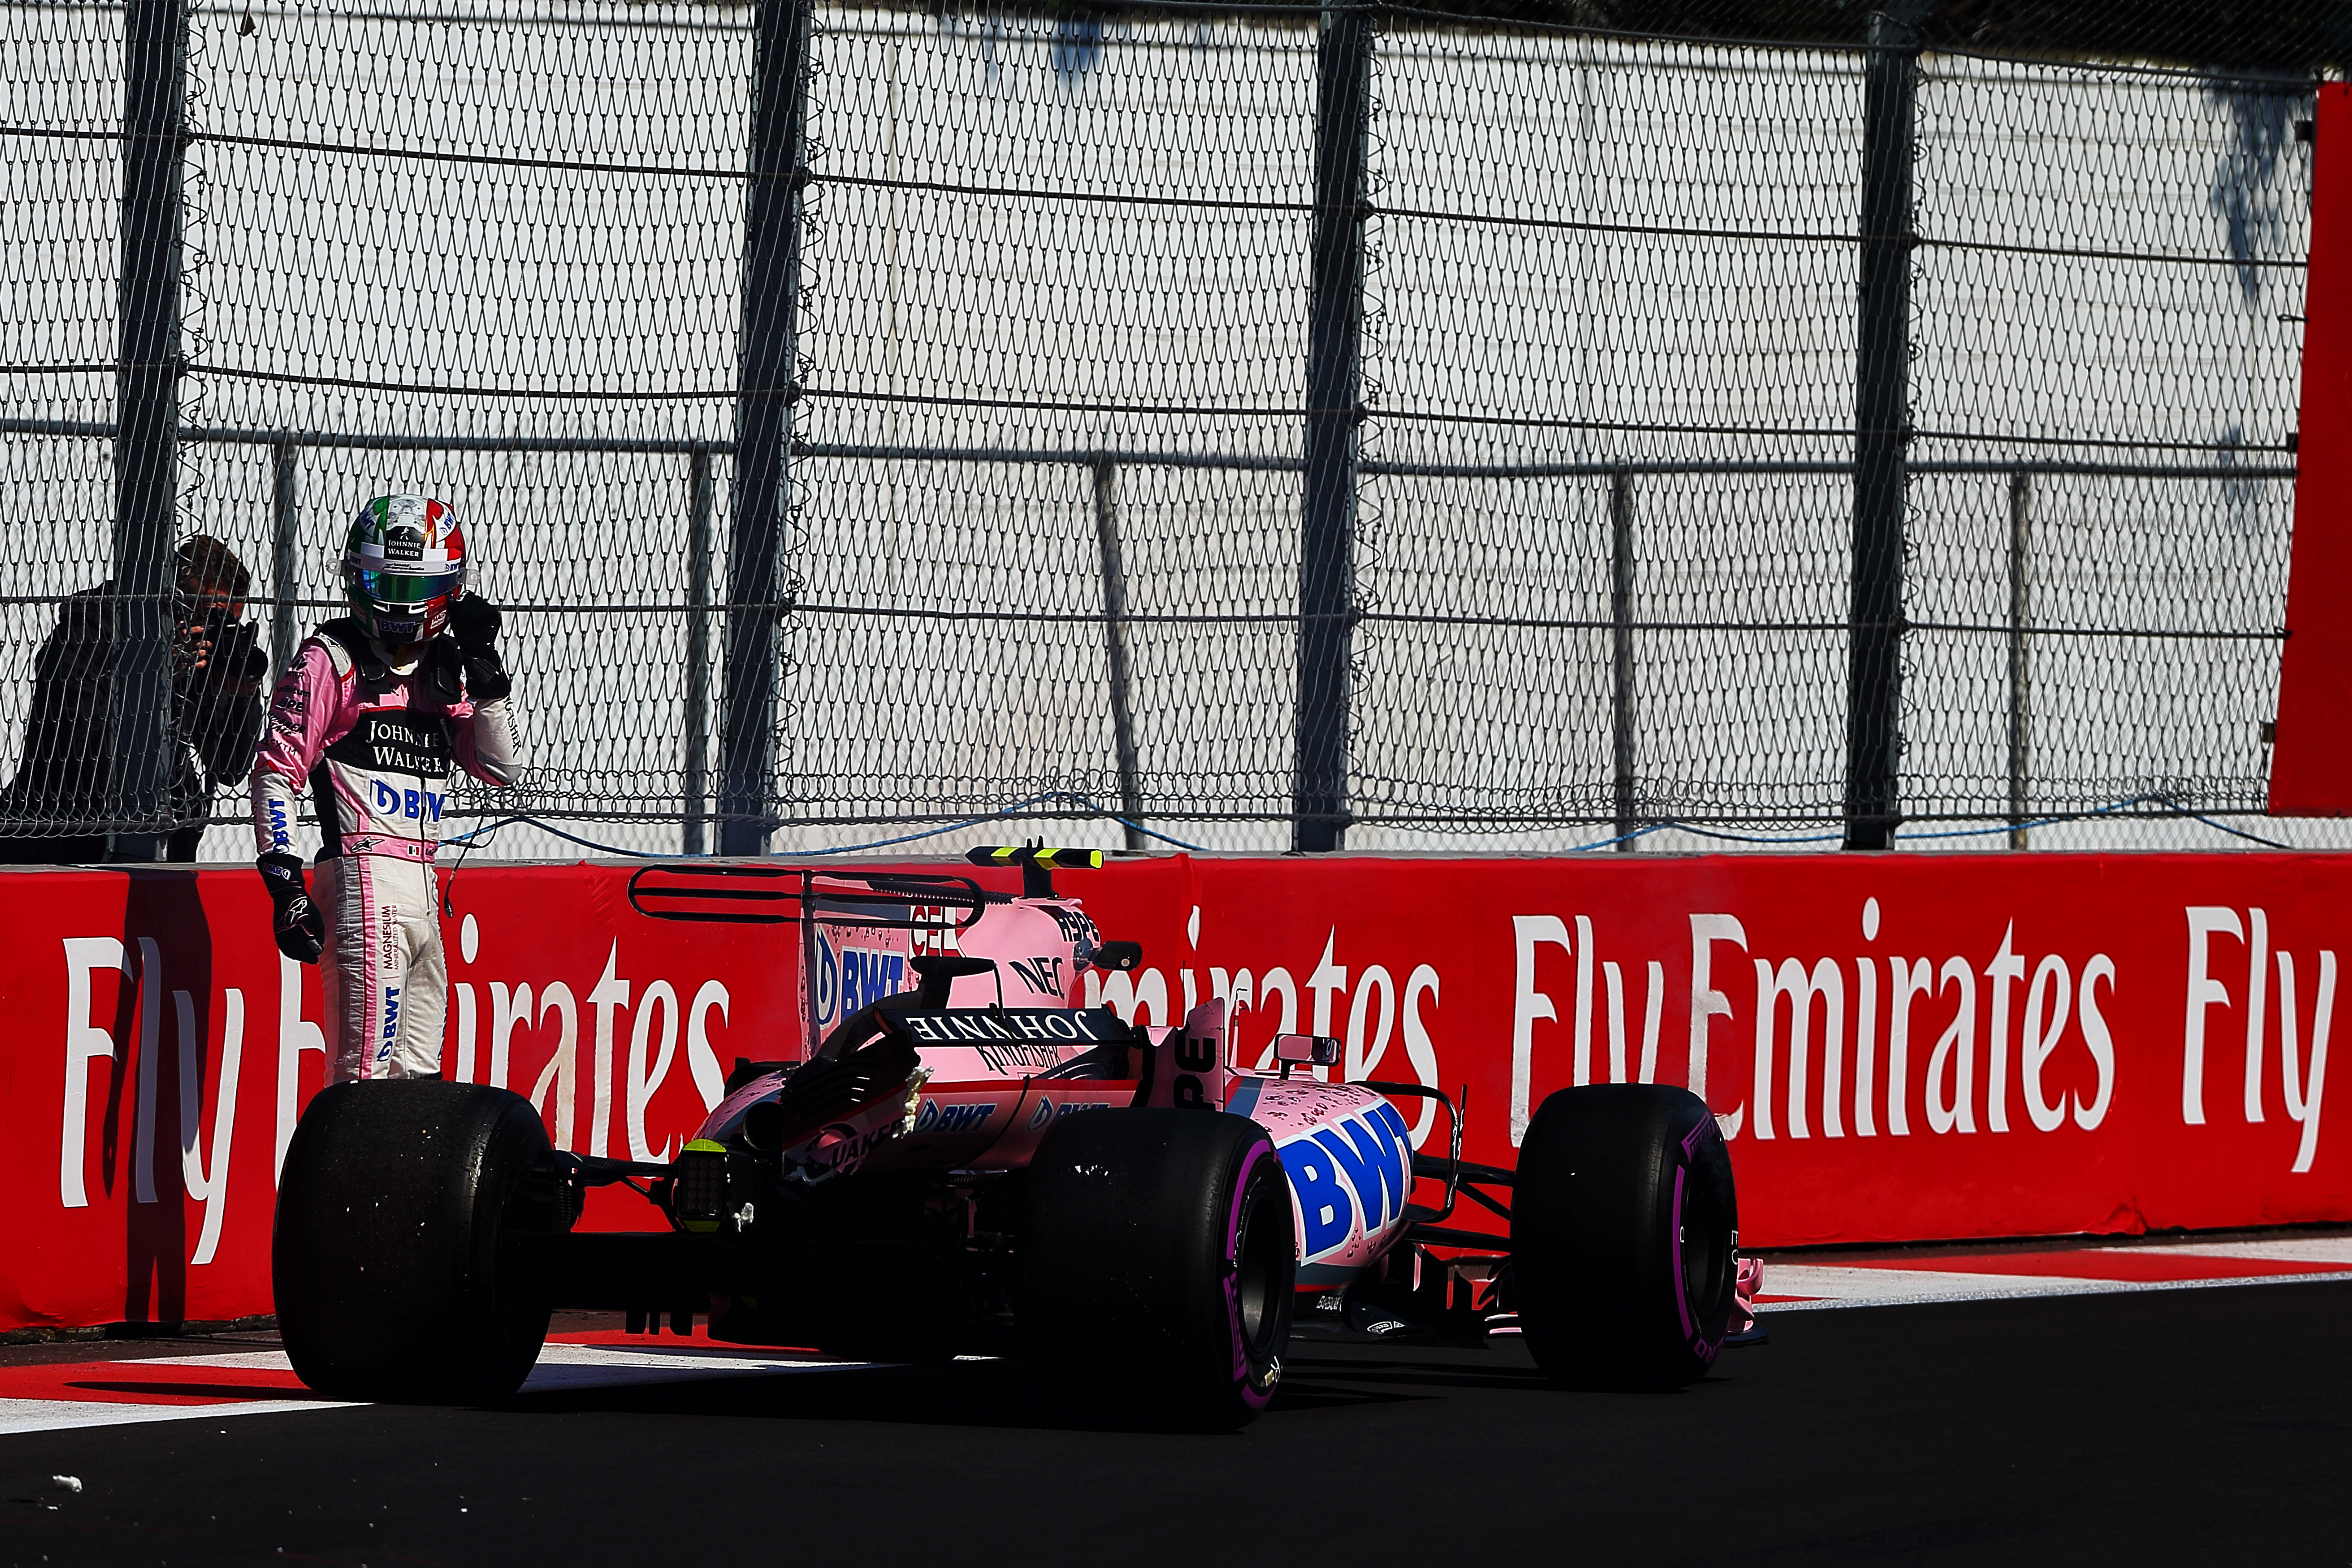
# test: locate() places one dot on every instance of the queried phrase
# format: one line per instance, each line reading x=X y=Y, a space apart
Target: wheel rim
x=1706 y=1223
x=1259 y=1252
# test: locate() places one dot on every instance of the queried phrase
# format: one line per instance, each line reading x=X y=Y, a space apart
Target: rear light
x=697 y=1191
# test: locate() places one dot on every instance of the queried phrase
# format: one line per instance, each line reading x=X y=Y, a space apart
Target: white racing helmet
x=403 y=566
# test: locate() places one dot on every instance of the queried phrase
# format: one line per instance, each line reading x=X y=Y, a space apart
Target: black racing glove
x=474 y=621
x=297 y=922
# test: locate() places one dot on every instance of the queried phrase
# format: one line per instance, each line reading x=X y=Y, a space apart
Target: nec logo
x=1043 y=975
x=1362 y=1164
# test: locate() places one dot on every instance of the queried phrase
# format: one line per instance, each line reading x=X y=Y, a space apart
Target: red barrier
x=153 y=1025
x=1950 y=1045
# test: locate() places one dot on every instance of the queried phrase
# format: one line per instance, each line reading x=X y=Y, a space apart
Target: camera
x=234 y=655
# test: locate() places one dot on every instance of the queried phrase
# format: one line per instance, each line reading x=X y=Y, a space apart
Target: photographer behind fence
x=66 y=778
x=374 y=711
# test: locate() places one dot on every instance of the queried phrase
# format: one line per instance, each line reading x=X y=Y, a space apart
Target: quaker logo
x=397 y=741
x=1043 y=975
x=841 y=1149
x=937 y=1118
x=403 y=544
x=1361 y=1164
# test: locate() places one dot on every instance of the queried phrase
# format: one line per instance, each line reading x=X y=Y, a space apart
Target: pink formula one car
x=981 y=1163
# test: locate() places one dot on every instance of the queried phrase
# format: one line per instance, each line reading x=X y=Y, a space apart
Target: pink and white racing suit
x=375 y=744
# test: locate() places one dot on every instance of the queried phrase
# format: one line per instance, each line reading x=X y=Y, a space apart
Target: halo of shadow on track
x=985 y=1393
x=2193 y=1425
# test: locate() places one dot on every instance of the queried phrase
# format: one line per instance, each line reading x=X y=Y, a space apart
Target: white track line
x=1832 y=1287
x=59 y=1415
x=2284 y=1250
x=581 y=1367
x=566 y=1367
x=562 y=1368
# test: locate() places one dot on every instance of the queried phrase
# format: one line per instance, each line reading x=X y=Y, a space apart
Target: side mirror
x=1116 y=955
x=1305 y=1050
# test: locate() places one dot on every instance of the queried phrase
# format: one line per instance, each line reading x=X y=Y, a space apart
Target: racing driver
x=372 y=713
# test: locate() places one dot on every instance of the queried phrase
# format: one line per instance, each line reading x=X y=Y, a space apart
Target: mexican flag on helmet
x=404 y=564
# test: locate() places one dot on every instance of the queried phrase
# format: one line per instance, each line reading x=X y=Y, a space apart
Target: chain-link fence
x=1266 y=425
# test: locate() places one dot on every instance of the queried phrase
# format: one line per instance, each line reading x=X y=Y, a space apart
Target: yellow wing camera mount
x=1038 y=863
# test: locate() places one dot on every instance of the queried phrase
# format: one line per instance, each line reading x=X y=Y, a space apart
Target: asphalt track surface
x=2198 y=1426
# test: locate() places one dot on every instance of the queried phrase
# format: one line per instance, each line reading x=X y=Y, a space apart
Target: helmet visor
x=406 y=587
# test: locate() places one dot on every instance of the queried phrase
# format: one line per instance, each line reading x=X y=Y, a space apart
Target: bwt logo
x=937 y=1118
x=858 y=975
x=391 y=1022
x=1048 y=1111
x=413 y=803
x=1363 y=1166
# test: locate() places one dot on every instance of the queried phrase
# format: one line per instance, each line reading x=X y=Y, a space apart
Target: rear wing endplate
x=802 y=895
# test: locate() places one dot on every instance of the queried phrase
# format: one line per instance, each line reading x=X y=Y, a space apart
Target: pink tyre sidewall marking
x=1701 y=1347
x=1252 y=1395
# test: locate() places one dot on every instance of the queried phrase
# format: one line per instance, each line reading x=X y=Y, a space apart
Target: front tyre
x=385 y=1257
x=1159 y=1261
x=1624 y=1228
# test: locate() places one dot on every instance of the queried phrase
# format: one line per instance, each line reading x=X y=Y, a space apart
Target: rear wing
x=802 y=895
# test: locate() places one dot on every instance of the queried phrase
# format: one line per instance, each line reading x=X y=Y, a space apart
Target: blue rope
x=2109 y=809
x=1010 y=811
x=467 y=838
x=1757 y=838
x=2239 y=832
x=1620 y=839
x=1107 y=815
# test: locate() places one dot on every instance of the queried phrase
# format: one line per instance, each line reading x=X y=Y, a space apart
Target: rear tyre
x=385 y=1257
x=1624 y=1229
x=1159 y=1262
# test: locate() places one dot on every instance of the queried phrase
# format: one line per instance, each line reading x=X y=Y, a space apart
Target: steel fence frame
x=736 y=799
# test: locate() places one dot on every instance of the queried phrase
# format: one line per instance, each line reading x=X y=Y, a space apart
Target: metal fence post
x=1326 y=535
x=285 y=523
x=766 y=364
x=147 y=424
x=1620 y=648
x=1873 y=740
x=2021 y=618
x=1122 y=691
x=696 y=788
